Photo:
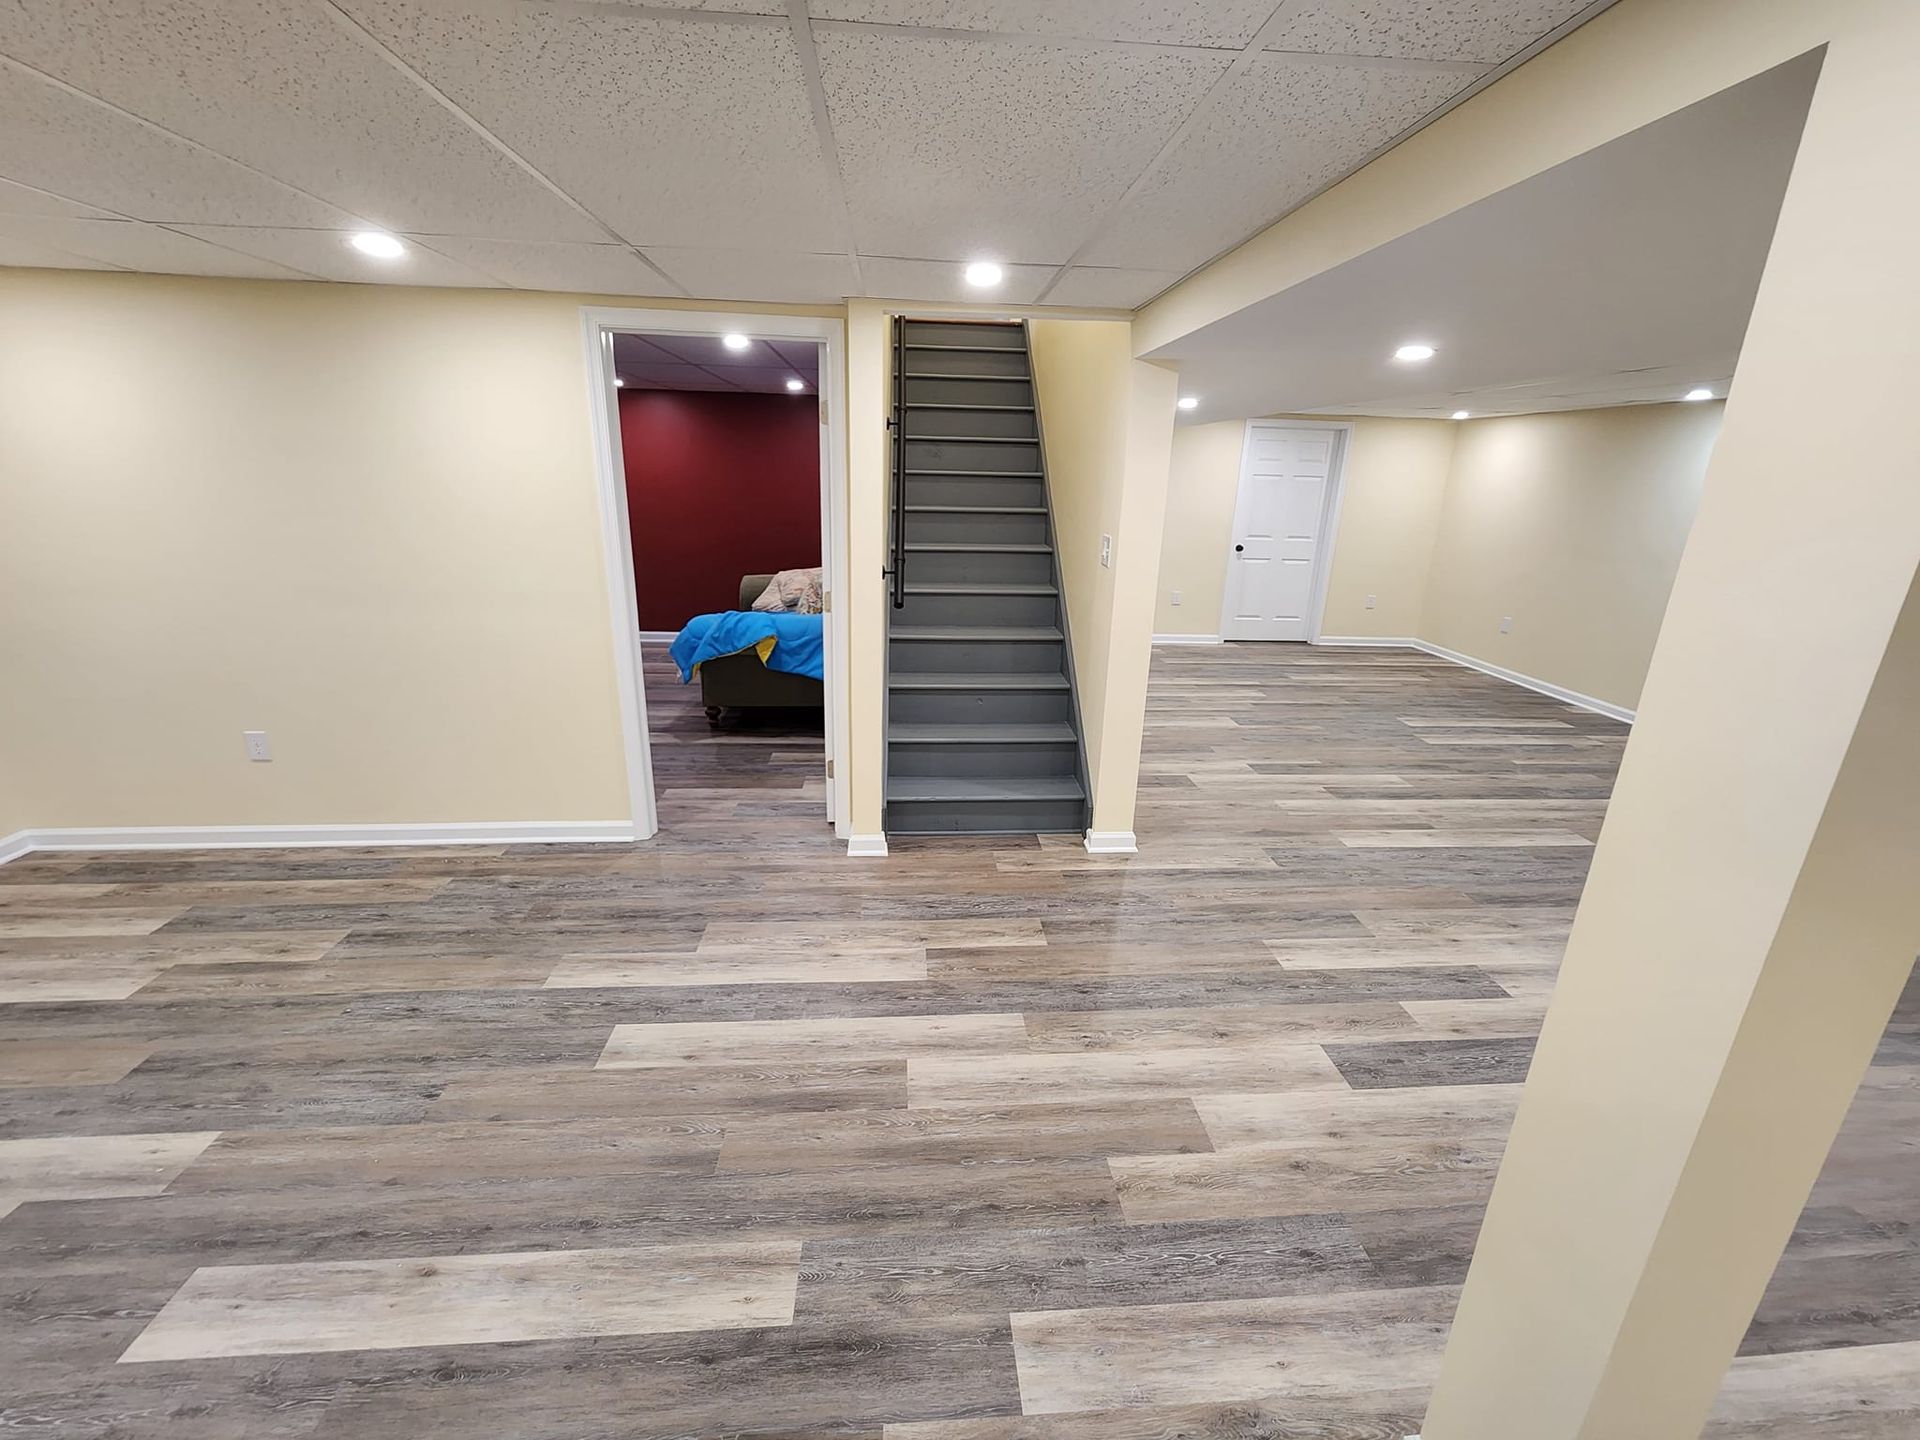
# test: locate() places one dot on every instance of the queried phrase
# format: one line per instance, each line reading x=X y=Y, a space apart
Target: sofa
x=741 y=682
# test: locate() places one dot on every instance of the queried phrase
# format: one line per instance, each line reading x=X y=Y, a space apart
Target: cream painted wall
x=1204 y=476
x=362 y=518
x=869 y=471
x=1108 y=424
x=1573 y=524
x=1392 y=481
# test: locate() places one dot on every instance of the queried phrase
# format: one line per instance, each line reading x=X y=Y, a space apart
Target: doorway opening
x=1283 y=528
x=721 y=461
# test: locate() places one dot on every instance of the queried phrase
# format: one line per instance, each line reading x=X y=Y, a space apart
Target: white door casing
x=1282 y=531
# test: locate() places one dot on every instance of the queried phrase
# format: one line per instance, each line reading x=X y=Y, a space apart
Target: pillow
x=796 y=591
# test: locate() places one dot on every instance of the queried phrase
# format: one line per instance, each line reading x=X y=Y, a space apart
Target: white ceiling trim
x=801 y=24
x=373 y=42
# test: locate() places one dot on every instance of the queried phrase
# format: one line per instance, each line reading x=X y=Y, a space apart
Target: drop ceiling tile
x=531 y=265
x=1230 y=23
x=34 y=254
x=58 y=141
x=24 y=200
x=1094 y=285
x=134 y=246
x=286 y=88
x=941 y=280
x=953 y=148
x=1484 y=30
x=711 y=352
x=675 y=132
x=652 y=373
x=1280 y=131
x=326 y=255
x=758 y=274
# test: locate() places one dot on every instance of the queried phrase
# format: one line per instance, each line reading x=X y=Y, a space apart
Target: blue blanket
x=793 y=643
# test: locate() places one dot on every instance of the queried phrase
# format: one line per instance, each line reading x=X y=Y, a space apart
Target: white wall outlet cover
x=1106 y=550
x=258 y=747
x=1176 y=597
x=1506 y=624
x=1370 y=600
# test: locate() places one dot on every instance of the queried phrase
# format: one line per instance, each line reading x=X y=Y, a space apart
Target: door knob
x=1238 y=548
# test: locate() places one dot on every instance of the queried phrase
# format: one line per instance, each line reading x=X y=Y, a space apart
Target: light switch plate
x=258 y=747
x=1106 y=550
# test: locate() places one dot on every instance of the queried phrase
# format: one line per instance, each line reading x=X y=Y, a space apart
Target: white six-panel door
x=1279 y=532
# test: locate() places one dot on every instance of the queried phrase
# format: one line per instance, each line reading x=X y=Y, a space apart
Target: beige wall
x=869 y=471
x=1108 y=423
x=362 y=518
x=1391 y=482
x=1573 y=525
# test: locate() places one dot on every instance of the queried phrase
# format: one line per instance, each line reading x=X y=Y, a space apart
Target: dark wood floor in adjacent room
x=728 y=1135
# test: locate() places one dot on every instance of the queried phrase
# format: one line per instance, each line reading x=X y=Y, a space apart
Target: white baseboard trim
x=658 y=637
x=302 y=837
x=1111 y=842
x=1188 y=640
x=867 y=846
x=1499 y=672
x=1529 y=682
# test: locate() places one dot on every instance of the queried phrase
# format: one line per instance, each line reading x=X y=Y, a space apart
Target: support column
x=1754 y=904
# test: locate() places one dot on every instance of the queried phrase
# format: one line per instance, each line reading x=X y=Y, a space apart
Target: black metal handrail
x=897 y=423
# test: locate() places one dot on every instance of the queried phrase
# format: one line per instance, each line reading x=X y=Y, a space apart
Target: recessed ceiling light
x=1414 y=352
x=378 y=244
x=983 y=273
x=1189 y=402
x=735 y=341
x=1460 y=415
x=796 y=386
x=1699 y=392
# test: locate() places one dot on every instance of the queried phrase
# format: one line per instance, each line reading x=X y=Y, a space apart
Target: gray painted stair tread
x=975 y=547
x=973 y=680
x=975 y=439
x=958 y=405
x=978 y=587
x=972 y=787
x=925 y=734
x=977 y=632
x=976 y=509
x=987 y=474
x=976 y=349
x=964 y=375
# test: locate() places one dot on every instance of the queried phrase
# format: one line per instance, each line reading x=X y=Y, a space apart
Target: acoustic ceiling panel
x=284 y=86
x=1276 y=133
x=953 y=148
x=134 y=246
x=326 y=255
x=673 y=132
x=1217 y=23
x=1484 y=30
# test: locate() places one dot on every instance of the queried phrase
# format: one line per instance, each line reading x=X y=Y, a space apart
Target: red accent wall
x=719 y=485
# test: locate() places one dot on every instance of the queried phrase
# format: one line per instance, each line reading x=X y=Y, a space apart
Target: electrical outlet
x=1370 y=600
x=1106 y=549
x=258 y=747
x=1176 y=597
x=1506 y=624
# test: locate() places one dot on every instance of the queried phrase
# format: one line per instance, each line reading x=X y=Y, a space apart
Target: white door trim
x=599 y=323
x=1342 y=431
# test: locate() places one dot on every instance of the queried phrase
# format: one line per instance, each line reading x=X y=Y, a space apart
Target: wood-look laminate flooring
x=727 y=1135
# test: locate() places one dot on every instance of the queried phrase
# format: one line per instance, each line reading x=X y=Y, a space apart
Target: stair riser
x=1012 y=390
x=982 y=567
x=977 y=529
x=962 y=455
x=978 y=610
x=980 y=707
x=970 y=424
x=962 y=362
x=983 y=761
x=974 y=490
x=950 y=332
x=939 y=817
x=969 y=657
